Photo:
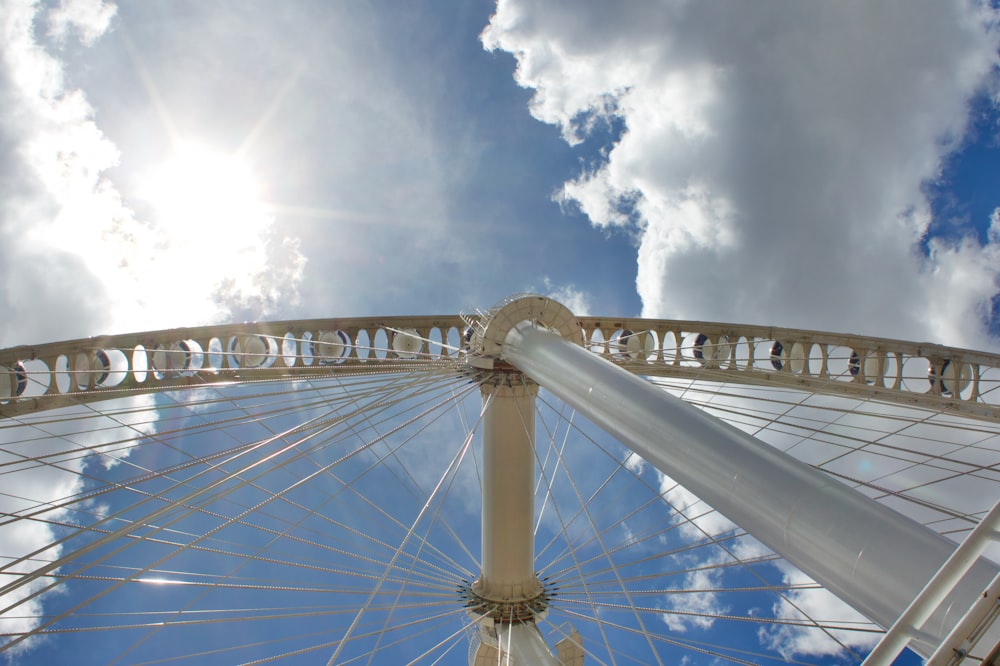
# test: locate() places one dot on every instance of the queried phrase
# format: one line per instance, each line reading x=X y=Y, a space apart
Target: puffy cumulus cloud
x=88 y=18
x=814 y=605
x=24 y=537
x=773 y=154
x=807 y=603
x=75 y=259
x=42 y=466
x=696 y=522
x=963 y=280
x=577 y=300
x=634 y=463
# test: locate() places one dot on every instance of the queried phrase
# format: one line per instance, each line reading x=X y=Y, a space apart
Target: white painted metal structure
x=936 y=592
x=248 y=422
x=508 y=566
x=867 y=554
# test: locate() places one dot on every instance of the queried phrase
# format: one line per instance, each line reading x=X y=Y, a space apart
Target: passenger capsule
x=777 y=360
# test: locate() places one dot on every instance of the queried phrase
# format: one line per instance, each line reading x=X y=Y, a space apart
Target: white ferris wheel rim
x=716 y=365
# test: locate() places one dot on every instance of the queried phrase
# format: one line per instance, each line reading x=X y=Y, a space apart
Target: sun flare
x=211 y=232
x=205 y=191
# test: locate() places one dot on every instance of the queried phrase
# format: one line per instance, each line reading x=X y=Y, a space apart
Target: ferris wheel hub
x=489 y=334
x=509 y=611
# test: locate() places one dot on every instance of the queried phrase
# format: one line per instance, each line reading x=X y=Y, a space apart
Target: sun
x=206 y=192
x=211 y=231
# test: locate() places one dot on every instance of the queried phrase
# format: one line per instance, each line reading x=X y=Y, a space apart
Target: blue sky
x=170 y=163
x=385 y=146
x=322 y=522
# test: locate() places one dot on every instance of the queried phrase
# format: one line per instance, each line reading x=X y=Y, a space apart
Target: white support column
x=507 y=580
x=508 y=573
x=936 y=589
x=870 y=556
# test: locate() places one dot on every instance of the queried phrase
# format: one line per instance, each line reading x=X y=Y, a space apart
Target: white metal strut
x=870 y=556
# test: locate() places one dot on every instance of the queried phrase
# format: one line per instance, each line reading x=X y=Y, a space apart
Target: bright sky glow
x=207 y=212
x=208 y=196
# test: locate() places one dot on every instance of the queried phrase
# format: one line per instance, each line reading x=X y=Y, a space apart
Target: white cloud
x=89 y=18
x=773 y=154
x=77 y=259
x=697 y=521
x=772 y=159
x=634 y=463
x=363 y=151
x=577 y=300
x=816 y=605
x=960 y=282
x=705 y=604
x=808 y=604
x=41 y=467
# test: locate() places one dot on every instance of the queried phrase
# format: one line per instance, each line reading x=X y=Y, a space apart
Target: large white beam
x=930 y=597
x=872 y=557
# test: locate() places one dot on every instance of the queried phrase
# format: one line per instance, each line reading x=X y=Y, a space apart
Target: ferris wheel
x=515 y=485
